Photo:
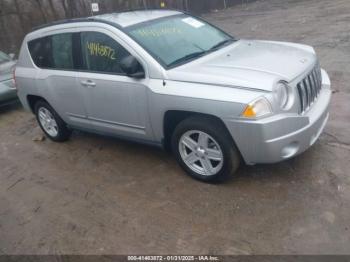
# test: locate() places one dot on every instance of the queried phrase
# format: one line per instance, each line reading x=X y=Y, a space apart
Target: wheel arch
x=33 y=99
x=174 y=117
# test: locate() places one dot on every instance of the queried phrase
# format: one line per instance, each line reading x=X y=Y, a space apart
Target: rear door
x=58 y=56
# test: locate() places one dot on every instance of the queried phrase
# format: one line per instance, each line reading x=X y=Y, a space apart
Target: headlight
x=258 y=108
x=281 y=93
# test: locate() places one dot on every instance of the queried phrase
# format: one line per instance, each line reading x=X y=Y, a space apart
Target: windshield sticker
x=158 y=32
x=96 y=49
x=193 y=22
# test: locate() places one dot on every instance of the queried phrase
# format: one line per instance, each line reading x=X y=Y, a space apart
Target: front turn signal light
x=258 y=108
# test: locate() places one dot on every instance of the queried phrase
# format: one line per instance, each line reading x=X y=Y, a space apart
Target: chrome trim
x=309 y=88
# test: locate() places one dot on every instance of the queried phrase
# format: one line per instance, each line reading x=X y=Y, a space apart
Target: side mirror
x=12 y=56
x=132 y=67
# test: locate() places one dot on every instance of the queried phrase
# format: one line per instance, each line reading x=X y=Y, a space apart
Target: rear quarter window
x=53 y=52
x=40 y=51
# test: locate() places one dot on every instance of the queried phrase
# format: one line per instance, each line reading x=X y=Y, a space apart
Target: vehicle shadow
x=300 y=167
x=13 y=106
x=288 y=170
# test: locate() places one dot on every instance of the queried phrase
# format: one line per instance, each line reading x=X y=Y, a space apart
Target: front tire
x=204 y=149
x=51 y=123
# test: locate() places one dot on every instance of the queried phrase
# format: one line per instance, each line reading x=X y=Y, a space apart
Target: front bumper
x=280 y=137
x=7 y=92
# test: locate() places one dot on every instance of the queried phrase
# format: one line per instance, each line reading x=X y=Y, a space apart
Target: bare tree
x=20 y=17
x=40 y=8
x=53 y=10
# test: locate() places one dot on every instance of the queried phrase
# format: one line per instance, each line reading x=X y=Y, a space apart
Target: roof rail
x=96 y=19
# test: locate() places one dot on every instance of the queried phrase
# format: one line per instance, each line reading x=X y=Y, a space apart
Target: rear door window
x=101 y=53
x=62 y=51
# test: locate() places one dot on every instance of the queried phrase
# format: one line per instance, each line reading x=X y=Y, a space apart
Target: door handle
x=88 y=83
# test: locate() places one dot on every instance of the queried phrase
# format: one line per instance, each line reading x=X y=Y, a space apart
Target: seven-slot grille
x=309 y=88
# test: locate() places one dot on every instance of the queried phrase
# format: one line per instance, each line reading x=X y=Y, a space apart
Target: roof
x=130 y=18
x=123 y=19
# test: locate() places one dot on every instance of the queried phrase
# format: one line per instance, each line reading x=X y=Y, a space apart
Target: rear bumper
x=280 y=137
x=7 y=93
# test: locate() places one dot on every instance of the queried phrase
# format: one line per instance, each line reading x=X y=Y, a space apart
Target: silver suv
x=169 y=79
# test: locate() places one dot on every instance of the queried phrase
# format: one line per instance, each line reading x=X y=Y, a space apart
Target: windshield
x=4 y=58
x=178 y=39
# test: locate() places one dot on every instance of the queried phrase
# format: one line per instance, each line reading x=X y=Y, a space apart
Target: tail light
x=14 y=78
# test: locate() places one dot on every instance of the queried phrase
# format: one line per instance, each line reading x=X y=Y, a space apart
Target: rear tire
x=204 y=149
x=51 y=123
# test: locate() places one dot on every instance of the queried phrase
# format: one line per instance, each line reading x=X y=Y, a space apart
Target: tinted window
x=62 y=49
x=54 y=52
x=40 y=50
x=102 y=53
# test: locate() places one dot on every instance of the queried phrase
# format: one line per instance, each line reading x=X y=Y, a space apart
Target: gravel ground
x=96 y=195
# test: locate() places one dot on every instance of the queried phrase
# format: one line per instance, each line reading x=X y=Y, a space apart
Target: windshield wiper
x=200 y=53
x=187 y=57
x=222 y=43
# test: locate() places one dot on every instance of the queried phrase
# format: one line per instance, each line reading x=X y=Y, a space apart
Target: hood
x=6 y=70
x=249 y=64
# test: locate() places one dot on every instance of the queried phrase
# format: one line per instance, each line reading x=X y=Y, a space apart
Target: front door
x=115 y=103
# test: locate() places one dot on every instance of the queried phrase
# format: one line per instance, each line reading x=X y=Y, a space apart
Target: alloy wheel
x=48 y=122
x=201 y=152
